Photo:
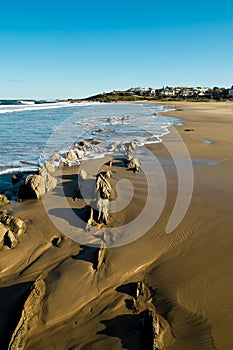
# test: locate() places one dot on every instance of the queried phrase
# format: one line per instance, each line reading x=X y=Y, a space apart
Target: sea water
x=30 y=134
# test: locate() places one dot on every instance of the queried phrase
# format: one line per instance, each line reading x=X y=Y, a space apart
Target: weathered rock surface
x=103 y=189
x=130 y=147
x=3 y=200
x=131 y=161
x=141 y=305
x=134 y=164
x=101 y=257
x=49 y=181
x=36 y=185
x=103 y=209
x=30 y=311
x=11 y=230
x=70 y=155
x=103 y=186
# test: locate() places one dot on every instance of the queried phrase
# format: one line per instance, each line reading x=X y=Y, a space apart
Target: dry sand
x=188 y=272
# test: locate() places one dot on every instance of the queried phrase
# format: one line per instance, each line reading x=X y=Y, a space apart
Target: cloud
x=14 y=81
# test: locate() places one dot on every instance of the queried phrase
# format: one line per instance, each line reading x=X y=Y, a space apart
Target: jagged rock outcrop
x=141 y=306
x=99 y=209
x=36 y=185
x=80 y=154
x=31 y=310
x=11 y=230
x=32 y=188
x=70 y=155
x=103 y=186
x=134 y=164
x=48 y=165
x=130 y=148
x=100 y=215
x=103 y=209
x=49 y=181
x=3 y=200
x=103 y=189
x=131 y=161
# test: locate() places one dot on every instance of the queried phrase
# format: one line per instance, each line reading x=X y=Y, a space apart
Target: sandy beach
x=187 y=273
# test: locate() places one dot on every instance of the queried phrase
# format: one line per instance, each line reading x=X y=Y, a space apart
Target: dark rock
x=16 y=178
x=36 y=185
x=32 y=188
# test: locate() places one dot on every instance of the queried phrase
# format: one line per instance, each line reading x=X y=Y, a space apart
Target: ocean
x=31 y=134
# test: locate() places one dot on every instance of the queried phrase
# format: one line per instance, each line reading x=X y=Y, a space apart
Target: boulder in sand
x=11 y=230
x=3 y=200
x=36 y=185
x=134 y=164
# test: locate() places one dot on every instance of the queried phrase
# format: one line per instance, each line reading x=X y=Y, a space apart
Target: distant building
x=230 y=92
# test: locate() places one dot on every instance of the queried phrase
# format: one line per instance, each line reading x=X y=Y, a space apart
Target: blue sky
x=78 y=48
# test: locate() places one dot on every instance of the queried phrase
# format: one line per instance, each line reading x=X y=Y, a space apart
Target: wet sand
x=187 y=272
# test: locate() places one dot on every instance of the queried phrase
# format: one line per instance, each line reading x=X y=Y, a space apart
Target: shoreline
x=188 y=271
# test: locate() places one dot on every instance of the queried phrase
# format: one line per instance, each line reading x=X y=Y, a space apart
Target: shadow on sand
x=12 y=300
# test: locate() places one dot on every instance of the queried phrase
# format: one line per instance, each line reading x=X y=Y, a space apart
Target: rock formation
x=30 y=312
x=130 y=148
x=142 y=307
x=36 y=185
x=16 y=178
x=103 y=209
x=103 y=186
x=100 y=202
x=11 y=230
x=49 y=181
x=3 y=200
x=131 y=161
x=134 y=164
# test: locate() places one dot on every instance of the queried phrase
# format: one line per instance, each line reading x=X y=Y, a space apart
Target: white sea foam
x=42 y=106
x=52 y=129
x=18 y=170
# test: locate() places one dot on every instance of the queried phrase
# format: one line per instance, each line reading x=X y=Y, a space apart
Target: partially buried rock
x=131 y=161
x=36 y=185
x=134 y=164
x=103 y=186
x=70 y=155
x=130 y=147
x=80 y=154
x=103 y=189
x=16 y=178
x=103 y=208
x=11 y=230
x=32 y=188
x=3 y=200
